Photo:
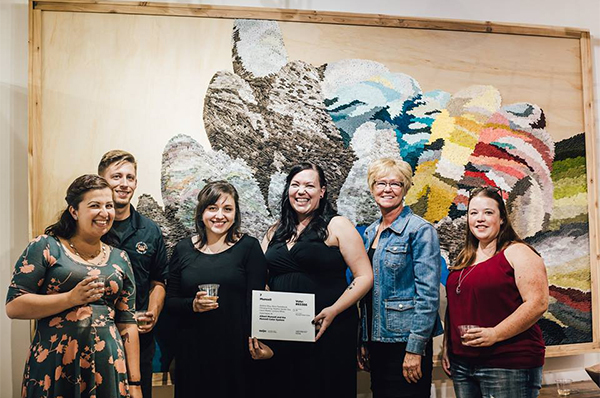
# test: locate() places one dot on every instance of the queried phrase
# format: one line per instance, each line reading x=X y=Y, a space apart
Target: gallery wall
x=13 y=128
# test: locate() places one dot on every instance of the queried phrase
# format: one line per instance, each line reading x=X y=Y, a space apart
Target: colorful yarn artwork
x=272 y=113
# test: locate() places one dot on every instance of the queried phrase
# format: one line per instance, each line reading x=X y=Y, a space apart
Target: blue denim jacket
x=406 y=289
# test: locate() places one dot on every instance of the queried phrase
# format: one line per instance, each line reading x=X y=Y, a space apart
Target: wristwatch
x=135 y=383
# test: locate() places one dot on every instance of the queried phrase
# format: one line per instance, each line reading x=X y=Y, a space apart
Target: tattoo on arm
x=125 y=337
x=352 y=285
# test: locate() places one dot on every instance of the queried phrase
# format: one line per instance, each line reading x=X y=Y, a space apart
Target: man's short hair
x=115 y=156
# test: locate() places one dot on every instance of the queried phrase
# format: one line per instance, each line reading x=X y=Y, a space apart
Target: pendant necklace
x=102 y=249
x=209 y=251
x=461 y=279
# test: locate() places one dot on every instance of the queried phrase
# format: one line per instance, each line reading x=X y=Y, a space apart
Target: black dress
x=326 y=368
x=212 y=358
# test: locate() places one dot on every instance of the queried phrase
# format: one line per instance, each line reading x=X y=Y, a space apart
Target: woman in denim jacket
x=400 y=315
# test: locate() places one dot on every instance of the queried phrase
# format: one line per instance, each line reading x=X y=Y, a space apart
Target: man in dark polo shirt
x=142 y=239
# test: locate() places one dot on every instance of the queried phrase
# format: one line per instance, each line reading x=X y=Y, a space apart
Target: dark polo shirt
x=142 y=239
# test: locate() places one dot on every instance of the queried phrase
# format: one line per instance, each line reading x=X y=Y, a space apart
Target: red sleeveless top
x=488 y=295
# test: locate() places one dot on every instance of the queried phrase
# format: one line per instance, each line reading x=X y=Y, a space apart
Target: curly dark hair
x=66 y=226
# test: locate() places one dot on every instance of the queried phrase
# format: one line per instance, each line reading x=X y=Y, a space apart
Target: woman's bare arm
x=344 y=235
x=129 y=334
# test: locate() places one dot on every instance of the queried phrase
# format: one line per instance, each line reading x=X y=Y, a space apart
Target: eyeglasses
x=394 y=185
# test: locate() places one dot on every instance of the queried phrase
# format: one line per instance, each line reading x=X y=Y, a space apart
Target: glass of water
x=564 y=386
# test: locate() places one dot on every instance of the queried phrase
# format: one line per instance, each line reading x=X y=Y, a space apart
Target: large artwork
x=272 y=112
x=200 y=93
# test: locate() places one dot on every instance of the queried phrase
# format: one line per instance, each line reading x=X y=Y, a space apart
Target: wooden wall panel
x=102 y=92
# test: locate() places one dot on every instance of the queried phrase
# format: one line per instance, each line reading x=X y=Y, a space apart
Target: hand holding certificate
x=283 y=316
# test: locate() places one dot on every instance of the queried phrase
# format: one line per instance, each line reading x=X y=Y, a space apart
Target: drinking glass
x=463 y=329
x=564 y=386
x=211 y=289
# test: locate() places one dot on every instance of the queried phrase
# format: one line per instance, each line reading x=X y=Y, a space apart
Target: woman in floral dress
x=86 y=340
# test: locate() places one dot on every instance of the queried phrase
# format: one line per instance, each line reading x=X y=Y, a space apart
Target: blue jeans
x=472 y=381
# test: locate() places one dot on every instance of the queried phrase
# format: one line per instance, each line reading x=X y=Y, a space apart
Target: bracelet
x=135 y=383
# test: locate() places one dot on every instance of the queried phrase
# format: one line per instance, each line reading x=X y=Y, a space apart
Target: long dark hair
x=66 y=226
x=287 y=224
x=209 y=196
x=506 y=236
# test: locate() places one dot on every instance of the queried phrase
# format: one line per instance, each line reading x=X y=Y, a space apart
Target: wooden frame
x=36 y=8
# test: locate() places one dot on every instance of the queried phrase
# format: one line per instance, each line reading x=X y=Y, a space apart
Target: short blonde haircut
x=384 y=167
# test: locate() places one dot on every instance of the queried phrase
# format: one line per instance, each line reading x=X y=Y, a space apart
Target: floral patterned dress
x=78 y=352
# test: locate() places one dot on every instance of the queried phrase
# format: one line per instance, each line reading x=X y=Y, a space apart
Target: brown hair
x=506 y=236
x=115 y=156
x=66 y=226
x=209 y=196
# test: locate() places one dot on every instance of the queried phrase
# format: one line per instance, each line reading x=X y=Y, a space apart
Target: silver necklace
x=102 y=248
x=461 y=279
x=209 y=251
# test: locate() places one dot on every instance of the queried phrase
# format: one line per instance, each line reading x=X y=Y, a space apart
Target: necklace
x=208 y=250
x=461 y=279
x=92 y=256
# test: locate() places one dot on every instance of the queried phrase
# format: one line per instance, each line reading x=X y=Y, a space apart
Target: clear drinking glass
x=563 y=386
x=138 y=315
x=463 y=329
x=211 y=289
x=102 y=279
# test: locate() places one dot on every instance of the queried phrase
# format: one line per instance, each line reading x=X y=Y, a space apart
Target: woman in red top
x=499 y=287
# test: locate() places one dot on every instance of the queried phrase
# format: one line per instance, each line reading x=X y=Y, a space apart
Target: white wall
x=13 y=180
x=13 y=127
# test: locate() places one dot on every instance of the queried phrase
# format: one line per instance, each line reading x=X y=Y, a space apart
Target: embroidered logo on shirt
x=141 y=247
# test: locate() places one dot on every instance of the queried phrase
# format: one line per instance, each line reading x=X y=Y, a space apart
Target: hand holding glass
x=101 y=283
x=206 y=298
x=211 y=289
x=463 y=329
x=142 y=318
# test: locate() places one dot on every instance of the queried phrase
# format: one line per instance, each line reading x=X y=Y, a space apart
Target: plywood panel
x=118 y=81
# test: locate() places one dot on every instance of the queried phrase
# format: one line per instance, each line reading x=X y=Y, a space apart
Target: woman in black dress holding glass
x=308 y=251
x=212 y=357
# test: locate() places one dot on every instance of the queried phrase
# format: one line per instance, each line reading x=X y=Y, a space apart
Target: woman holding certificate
x=400 y=315
x=212 y=357
x=308 y=251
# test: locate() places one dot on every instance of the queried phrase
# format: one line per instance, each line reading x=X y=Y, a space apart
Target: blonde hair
x=385 y=166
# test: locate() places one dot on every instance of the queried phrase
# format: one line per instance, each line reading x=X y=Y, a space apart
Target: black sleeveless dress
x=326 y=368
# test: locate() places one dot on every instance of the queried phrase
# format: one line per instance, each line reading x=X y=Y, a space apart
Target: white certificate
x=283 y=316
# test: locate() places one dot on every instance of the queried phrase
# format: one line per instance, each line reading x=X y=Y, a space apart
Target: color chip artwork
x=272 y=112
